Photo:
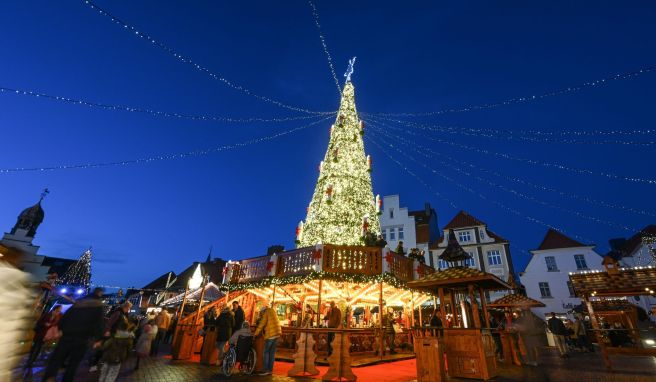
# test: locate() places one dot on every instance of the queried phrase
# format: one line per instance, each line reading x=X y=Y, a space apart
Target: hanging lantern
x=299 y=231
x=379 y=204
x=369 y=163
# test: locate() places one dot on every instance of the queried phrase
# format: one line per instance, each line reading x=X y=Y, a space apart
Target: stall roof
x=622 y=282
x=516 y=301
x=459 y=277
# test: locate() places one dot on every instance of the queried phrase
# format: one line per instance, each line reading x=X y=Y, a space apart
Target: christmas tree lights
x=343 y=208
x=79 y=273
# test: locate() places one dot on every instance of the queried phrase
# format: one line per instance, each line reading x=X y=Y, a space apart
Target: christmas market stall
x=618 y=331
x=467 y=342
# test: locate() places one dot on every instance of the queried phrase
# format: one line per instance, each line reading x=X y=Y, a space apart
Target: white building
x=638 y=251
x=489 y=252
x=546 y=277
x=416 y=229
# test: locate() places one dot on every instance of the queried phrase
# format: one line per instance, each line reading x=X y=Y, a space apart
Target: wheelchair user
x=246 y=339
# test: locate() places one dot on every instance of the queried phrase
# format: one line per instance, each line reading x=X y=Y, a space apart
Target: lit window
x=392 y=234
x=494 y=257
x=580 y=262
x=551 y=264
x=545 y=292
x=571 y=289
x=464 y=237
x=400 y=233
x=384 y=233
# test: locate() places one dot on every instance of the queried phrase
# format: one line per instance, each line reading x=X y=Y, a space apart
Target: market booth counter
x=468 y=342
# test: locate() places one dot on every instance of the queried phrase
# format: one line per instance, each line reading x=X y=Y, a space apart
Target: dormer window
x=482 y=233
x=464 y=237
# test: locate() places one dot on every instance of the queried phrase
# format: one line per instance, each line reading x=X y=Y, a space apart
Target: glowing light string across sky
x=156 y=113
x=518 y=180
x=527 y=135
x=163 y=157
x=523 y=99
x=453 y=164
x=315 y=15
x=192 y=63
x=558 y=166
x=468 y=189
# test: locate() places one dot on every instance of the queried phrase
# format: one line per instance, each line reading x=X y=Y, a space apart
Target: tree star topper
x=349 y=70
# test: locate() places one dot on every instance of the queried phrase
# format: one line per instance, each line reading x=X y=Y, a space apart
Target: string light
x=468 y=189
x=455 y=167
x=193 y=64
x=518 y=100
x=79 y=273
x=536 y=136
x=558 y=166
x=155 y=113
x=315 y=14
x=342 y=210
x=195 y=153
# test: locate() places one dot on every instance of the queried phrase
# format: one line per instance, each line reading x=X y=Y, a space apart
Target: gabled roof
x=636 y=240
x=459 y=277
x=516 y=300
x=462 y=220
x=160 y=282
x=454 y=251
x=554 y=240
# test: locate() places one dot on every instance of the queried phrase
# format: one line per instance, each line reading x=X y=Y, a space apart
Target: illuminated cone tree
x=343 y=209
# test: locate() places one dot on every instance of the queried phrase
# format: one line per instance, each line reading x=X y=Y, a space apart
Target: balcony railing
x=250 y=269
x=353 y=260
x=400 y=266
x=297 y=262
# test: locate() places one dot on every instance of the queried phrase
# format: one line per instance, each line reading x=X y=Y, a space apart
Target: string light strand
x=315 y=15
x=195 y=153
x=524 y=99
x=155 y=113
x=192 y=63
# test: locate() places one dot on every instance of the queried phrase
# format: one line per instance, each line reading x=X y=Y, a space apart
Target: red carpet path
x=399 y=371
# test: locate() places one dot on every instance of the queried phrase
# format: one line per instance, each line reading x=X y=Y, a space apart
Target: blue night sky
x=146 y=219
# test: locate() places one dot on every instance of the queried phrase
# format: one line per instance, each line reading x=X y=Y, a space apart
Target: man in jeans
x=559 y=331
x=269 y=327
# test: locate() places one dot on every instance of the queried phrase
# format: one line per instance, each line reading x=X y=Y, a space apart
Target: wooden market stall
x=603 y=288
x=468 y=342
x=509 y=338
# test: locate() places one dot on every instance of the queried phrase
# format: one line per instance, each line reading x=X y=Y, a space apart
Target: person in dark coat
x=239 y=315
x=81 y=323
x=224 y=324
x=559 y=331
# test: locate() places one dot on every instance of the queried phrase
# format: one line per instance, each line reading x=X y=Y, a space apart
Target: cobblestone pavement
x=578 y=368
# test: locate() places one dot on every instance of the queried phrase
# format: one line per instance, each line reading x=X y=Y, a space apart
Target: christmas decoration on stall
x=78 y=275
x=343 y=196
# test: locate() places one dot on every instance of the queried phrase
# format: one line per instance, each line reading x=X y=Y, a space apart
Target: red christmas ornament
x=269 y=266
x=389 y=257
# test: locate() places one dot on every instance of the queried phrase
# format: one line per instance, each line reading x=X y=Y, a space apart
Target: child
x=114 y=351
x=148 y=333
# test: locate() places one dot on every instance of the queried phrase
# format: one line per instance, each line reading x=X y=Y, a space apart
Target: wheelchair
x=244 y=353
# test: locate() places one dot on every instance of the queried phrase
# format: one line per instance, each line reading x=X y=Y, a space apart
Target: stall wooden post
x=412 y=305
x=596 y=326
x=474 y=305
x=421 y=321
x=440 y=292
x=319 y=318
x=178 y=335
x=486 y=314
x=380 y=321
x=273 y=297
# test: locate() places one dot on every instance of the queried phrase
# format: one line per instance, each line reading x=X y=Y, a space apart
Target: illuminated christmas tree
x=79 y=273
x=343 y=209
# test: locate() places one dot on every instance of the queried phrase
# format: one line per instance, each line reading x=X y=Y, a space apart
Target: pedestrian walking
x=269 y=328
x=81 y=323
x=238 y=312
x=559 y=331
x=532 y=332
x=390 y=333
x=45 y=330
x=115 y=351
x=163 y=321
x=224 y=325
x=334 y=318
x=144 y=343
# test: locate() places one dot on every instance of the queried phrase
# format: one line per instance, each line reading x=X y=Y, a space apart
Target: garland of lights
x=343 y=208
x=454 y=165
x=558 y=166
x=534 y=136
x=195 y=153
x=79 y=273
x=526 y=182
x=193 y=64
x=266 y=282
x=518 y=100
x=315 y=14
x=510 y=209
x=155 y=113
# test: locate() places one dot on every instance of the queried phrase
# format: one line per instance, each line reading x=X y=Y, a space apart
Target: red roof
x=497 y=238
x=462 y=220
x=554 y=239
x=636 y=240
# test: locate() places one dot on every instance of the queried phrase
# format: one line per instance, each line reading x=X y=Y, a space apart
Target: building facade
x=416 y=229
x=489 y=252
x=546 y=277
x=639 y=251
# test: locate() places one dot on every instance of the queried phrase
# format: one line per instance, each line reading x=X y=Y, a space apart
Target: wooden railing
x=400 y=266
x=297 y=262
x=425 y=270
x=353 y=259
x=250 y=269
